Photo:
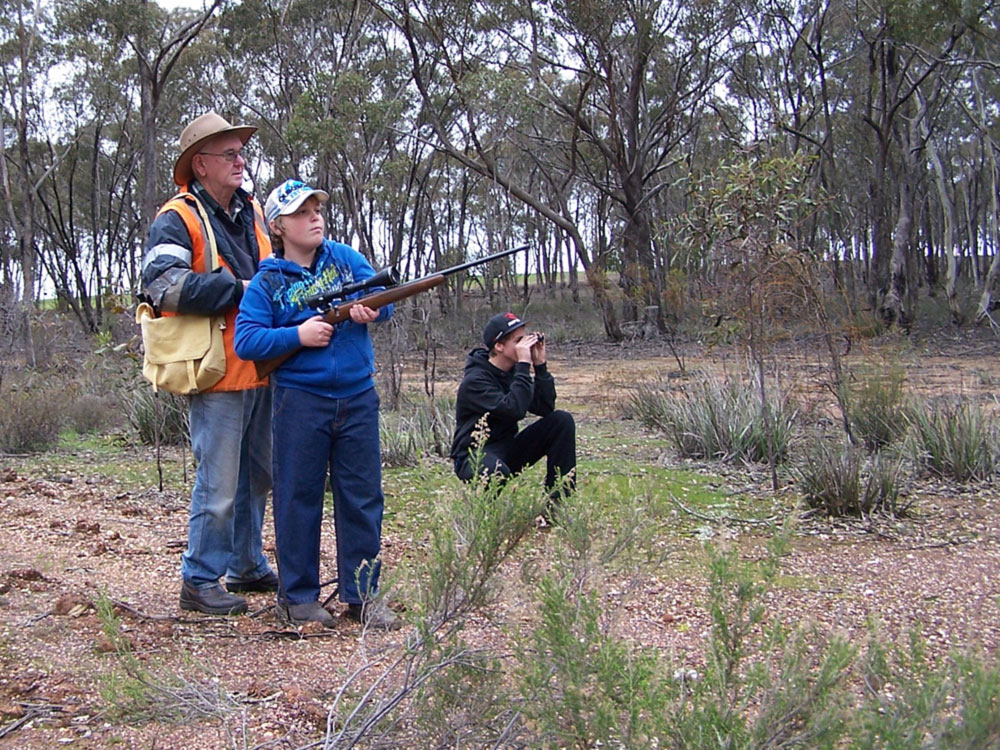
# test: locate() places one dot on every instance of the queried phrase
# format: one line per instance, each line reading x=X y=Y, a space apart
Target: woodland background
x=651 y=150
x=785 y=529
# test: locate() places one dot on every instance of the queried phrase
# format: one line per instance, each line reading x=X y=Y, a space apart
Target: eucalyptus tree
x=24 y=59
x=599 y=94
x=904 y=47
x=330 y=93
x=152 y=40
x=789 y=95
x=982 y=110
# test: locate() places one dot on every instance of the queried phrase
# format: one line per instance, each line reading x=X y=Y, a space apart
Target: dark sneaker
x=211 y=601
x=374 y=614
x=300 y=614
x=267 y=582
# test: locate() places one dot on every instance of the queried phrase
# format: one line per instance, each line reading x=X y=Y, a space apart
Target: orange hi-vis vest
x=240 y=374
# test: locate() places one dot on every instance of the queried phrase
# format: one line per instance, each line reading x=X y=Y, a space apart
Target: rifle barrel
x=379 y=299
x=471 y=263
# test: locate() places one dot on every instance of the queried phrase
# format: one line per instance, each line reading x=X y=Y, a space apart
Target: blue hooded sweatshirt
x=274 y=305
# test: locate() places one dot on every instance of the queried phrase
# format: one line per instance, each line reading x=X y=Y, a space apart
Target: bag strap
x=211 y=249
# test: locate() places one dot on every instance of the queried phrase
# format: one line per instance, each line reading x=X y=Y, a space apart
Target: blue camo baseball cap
x=288 y=196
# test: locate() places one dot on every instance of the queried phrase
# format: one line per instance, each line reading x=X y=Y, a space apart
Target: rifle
x=324 y=302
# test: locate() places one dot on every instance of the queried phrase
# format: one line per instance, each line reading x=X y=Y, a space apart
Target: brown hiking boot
x=213 y=600
x=300 y=614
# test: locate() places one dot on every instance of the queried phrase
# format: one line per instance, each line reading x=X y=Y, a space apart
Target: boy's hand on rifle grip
x=362 y=314
x=315 y=332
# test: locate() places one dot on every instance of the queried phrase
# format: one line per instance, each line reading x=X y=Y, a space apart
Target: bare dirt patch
x=67 y=541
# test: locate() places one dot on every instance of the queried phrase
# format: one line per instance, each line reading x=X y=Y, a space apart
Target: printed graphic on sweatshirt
x=293 y=296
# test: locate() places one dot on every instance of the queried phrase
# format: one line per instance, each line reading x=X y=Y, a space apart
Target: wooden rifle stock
x=375 y=300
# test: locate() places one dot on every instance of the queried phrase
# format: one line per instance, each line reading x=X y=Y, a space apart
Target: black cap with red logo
x=499 y=326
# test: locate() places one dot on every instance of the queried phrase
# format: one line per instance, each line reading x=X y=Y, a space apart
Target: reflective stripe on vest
x=240 y=374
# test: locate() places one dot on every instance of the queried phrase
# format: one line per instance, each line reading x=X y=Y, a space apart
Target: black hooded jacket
x=506 y=397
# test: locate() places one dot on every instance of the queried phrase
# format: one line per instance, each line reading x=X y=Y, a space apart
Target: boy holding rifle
x=326 y=410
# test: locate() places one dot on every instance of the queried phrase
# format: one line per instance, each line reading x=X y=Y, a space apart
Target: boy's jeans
x=231 y=441
x=312 y=435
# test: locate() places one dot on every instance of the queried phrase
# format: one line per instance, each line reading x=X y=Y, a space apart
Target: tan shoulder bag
x=184 y=354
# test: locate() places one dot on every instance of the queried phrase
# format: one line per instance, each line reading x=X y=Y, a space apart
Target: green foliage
x=762 y=686
x=31 y=416
x=581 y=684
x=840 y=481
x=878 y=416
x=914 y=701
x=436 y=675
x=583 y=687
x=717 y=419
x=956 y=440
x=795 y=681
x=135 y=692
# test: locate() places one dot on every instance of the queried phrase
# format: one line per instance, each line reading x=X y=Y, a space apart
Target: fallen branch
x=722 y=517
x=32 y=711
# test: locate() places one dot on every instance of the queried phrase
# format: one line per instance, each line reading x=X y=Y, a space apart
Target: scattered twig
x=32 y=711
x=151 y=618
x=939 y=545
x=722 y=517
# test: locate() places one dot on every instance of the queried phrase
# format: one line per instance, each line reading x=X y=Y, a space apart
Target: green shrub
x=454 y=692
x=842 y=482
x=718 y=419
x=915 y=701
x=957 y=441
x=878 y=416
x=31 y=418
x=427 y=430
x=401 y=444
x=158 y=417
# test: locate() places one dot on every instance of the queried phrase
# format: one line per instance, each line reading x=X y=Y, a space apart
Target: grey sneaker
x=374 y=614
x=300 y=614
x=213 y=600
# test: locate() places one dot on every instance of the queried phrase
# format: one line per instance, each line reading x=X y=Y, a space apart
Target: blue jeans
x=312 y=435
x=231 y=441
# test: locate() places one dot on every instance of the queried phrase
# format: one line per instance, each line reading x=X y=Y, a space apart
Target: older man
x=231 y=421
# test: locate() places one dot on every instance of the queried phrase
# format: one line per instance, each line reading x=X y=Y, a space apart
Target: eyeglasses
x=230 y=154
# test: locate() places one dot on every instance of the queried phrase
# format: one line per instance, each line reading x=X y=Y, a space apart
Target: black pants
x=553 y=436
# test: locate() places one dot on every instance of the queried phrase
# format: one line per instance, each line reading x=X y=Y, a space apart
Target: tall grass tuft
x=718 y=419
x=843 y=482
x=878 y=414
x=425 y=431
x=958 y=441
x=159 y=418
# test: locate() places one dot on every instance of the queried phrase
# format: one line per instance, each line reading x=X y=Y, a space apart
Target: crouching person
x=503 y=382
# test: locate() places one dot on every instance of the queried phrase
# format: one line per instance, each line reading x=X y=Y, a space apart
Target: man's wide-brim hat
x=193 y=137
